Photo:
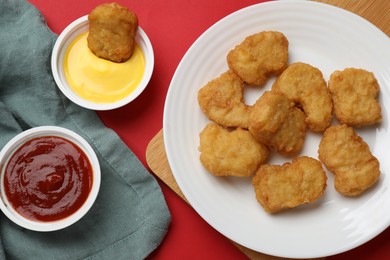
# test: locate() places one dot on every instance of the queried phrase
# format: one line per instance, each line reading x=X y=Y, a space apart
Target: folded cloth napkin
x=130 y=217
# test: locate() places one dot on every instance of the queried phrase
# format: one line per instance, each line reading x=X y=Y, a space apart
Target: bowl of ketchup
x=50 y=178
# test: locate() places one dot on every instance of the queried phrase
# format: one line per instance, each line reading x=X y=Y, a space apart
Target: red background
x=172 y=26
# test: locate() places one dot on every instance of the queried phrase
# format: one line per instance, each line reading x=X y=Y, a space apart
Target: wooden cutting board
x=373 y=11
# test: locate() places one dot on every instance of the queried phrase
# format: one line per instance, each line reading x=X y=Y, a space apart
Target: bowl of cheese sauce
x=96 y=83
x=50 y=178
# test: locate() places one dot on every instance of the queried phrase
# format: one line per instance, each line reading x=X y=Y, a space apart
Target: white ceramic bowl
x=11 y=147
x=73 y=30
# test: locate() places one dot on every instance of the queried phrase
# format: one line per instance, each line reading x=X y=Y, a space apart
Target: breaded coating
x=291 y=135
x=259 y=56
x=347 y=155
x=354 y=93
x=226 y=152
x=112 y=31
x=222 y=101
x=300 y=182
x=275 y=122
x=305 y=85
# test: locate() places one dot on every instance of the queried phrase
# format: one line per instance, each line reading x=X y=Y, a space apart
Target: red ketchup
x=48 y=178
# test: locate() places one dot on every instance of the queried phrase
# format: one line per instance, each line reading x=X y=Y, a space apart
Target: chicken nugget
x=230 y=153
x=275 y=122
x=347 y=155
x=354 y=93
x=222 y=101
x=259 y=56
x=305 y=85
x=291 y=135
x=282 y=187
x=112 y=31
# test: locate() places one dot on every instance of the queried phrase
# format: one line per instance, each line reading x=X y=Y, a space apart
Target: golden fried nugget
x=230 y=153
x=305 y=85
x=275 y=122
x=259 y=56
x=282 y=187
x=112 y=31
x=291 y=135
x=222 y=101
x=354 y=93
x=347 y=155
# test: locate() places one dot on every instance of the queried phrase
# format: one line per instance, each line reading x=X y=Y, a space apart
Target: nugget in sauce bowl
x=112 y=31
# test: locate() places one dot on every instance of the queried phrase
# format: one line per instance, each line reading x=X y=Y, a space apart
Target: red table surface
x=172 y=26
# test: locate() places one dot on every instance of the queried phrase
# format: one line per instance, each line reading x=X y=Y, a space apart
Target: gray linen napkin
x=129 y=218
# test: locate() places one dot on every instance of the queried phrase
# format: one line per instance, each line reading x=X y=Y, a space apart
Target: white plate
x=327 y=38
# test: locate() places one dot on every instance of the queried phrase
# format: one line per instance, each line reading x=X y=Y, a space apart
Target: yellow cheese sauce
x=99 y=80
